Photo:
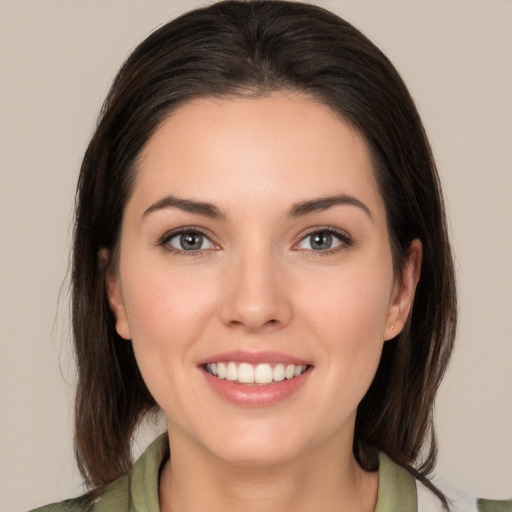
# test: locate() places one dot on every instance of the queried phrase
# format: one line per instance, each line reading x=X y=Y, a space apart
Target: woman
x=260 y=251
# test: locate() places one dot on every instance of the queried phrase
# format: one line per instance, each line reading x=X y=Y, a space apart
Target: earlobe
x=116 y=302
x=404 y=290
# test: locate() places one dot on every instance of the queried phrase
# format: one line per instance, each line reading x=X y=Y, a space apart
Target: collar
x=397 y=487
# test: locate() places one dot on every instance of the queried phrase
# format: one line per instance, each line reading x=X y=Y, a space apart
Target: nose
x=255 y=295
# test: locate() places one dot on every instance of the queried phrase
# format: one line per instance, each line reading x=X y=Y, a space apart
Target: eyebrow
x=324 y=203
x=297 y=210
x=187 y=205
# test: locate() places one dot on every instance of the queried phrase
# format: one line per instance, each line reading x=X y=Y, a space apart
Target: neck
x=328 y=480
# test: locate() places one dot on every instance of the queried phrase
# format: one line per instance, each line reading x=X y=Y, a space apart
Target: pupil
x=191 y=241
x=321 y=241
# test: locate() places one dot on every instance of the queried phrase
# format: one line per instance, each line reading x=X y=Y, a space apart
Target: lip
x=255 y=395
x=244 y=356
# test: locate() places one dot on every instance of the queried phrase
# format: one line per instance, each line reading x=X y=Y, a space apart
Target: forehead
x=282 y=147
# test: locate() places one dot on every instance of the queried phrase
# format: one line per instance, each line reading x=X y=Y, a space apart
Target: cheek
x=163 y=303
x=351 y=302
x=348 y=316
x=167 y=311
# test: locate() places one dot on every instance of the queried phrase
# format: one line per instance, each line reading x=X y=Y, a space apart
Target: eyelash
x=164 y=241
x=342 y=236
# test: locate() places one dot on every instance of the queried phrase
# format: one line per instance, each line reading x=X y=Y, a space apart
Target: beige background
x=57 y=59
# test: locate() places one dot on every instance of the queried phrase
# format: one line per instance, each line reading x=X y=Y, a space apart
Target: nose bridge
x=255 y=295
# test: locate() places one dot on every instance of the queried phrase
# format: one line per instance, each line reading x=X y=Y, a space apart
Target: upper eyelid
x=330 y=229
x=344 y=237
x=185 y=229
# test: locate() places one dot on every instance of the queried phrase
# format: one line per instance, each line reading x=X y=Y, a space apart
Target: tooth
x=298 y=370
x=213 y=368
x=246 y=373
x=263 y=374
x=290 y=371
x=278 y=372
x=221 y=370
x=231 y=371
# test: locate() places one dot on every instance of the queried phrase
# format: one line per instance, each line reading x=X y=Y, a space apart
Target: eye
x=187 y=241
x=324 y=240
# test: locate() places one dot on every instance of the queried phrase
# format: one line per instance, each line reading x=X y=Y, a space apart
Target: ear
x=403 y=293
x=116 y=303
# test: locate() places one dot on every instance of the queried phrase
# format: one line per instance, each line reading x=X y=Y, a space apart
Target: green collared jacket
x=137 y=491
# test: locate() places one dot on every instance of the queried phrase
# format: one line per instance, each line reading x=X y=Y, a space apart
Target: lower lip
x=254 y=395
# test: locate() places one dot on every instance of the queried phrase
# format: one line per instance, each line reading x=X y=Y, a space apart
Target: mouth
x=258 y=374
x=255 y=379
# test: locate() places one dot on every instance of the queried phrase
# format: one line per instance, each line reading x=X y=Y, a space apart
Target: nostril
x=254 y=326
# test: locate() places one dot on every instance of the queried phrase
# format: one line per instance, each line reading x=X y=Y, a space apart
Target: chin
x=256 y=447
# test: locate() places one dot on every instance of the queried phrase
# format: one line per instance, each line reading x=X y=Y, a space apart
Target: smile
x=246 y=373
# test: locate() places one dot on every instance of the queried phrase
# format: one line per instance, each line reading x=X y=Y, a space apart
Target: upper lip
x=241 y=356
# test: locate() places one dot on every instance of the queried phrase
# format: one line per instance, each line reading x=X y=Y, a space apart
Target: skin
x=257 y=285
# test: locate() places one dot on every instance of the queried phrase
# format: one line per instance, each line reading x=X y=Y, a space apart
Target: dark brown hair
x=254 y=48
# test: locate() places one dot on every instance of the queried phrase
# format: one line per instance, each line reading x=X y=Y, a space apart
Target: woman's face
x=255 y=246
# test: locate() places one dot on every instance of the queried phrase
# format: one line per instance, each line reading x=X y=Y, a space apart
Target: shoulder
x=114 y=497
x=77 y=504
x=138 y=488
x=399 y=490
x=485 y=505
x=458 y=502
